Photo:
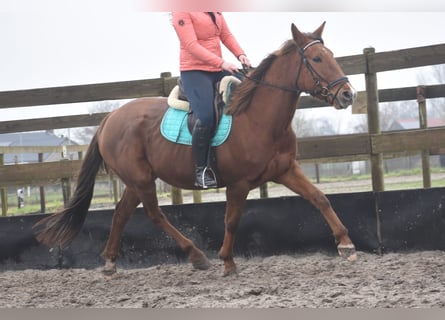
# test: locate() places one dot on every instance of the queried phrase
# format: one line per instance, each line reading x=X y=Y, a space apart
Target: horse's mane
x=244 y=92
x=241 y=98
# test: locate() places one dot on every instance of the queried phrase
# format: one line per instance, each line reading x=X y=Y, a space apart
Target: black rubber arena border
x=391 y=221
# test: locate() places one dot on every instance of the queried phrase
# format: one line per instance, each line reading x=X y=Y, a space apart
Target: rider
x=201 y=66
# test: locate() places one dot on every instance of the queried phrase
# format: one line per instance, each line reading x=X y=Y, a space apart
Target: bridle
x=323 y=91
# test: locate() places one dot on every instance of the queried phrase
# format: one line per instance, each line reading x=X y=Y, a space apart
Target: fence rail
x=371 y=145
x=338 y=148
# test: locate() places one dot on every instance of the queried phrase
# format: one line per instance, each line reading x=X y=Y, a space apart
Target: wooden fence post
x=3 y=193
x=372 y=105
x=197 y=196
x=423 y=124
x=264 y=193
x=372 y=97
x=317 y=172
x=115 y=183
x=176 y=194
x=65 y=182
x=42 y=190
x=66 y=190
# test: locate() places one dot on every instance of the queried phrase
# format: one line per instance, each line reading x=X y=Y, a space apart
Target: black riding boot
x=201 y=135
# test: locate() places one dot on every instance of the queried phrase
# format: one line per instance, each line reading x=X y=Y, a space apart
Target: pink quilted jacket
x=200 y=40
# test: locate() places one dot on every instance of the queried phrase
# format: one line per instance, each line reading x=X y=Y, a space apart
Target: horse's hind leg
x=124 y=209
x=295 y=180
x=150 y=201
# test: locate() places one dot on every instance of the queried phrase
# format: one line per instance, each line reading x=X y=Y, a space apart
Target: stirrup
x=207 y=179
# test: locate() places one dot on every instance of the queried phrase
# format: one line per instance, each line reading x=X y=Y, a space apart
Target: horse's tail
x=60 y=228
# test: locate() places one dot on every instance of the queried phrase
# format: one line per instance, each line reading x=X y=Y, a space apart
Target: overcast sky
x=58 y=48
x=54 y=49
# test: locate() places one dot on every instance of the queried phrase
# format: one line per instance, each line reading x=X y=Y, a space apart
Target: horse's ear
x=299 y=38
x=319 y=31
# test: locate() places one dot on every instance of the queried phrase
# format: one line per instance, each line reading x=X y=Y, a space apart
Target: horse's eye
x=317 y=59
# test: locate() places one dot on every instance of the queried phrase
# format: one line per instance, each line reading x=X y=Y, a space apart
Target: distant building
x=413 y=123
x=36 y=138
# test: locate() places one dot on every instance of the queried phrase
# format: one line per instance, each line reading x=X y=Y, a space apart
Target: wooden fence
x=372 y=145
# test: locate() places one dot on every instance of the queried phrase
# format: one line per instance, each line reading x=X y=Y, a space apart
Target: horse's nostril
x=348 y=95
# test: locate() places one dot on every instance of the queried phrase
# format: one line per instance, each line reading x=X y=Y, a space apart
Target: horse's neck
x=273 y=108
x=278 y=101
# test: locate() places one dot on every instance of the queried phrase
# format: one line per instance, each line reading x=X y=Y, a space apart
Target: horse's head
x=319 y=73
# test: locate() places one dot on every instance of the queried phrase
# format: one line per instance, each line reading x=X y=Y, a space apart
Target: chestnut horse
x=261 y=147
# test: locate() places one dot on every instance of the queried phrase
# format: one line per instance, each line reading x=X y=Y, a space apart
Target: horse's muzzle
x=345 y=97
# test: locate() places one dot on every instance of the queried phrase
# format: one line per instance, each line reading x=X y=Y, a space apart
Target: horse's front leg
x=236 y=199
x=295 y=180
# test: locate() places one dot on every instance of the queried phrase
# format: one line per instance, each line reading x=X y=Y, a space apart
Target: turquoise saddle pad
x=174 y=128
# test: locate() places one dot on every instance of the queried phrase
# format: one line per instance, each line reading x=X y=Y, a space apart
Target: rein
x=268 y=84
x=320 y=89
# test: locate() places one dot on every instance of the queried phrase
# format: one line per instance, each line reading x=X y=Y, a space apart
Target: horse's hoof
x=230 y=269
x=109 y=270
x=199 y=260
x=109 y=274
x=347 y=251
x=230 y=272
x=201 y=264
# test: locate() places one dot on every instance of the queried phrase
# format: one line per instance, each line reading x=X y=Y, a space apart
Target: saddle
x=174 y=128
x=178 y=100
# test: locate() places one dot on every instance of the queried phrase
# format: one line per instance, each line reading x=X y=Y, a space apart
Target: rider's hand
x=230 y=67
x=244 y=60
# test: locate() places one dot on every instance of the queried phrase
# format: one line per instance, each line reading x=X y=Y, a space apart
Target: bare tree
x=398 y=110
x=438 y=72
x=435 y=107
x=104 y=106
x=306 y=125
x=84 y=135
x=360 y=124
x=388 y=113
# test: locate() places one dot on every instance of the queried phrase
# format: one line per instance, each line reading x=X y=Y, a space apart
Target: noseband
x=321 y=90
x=318 y=79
